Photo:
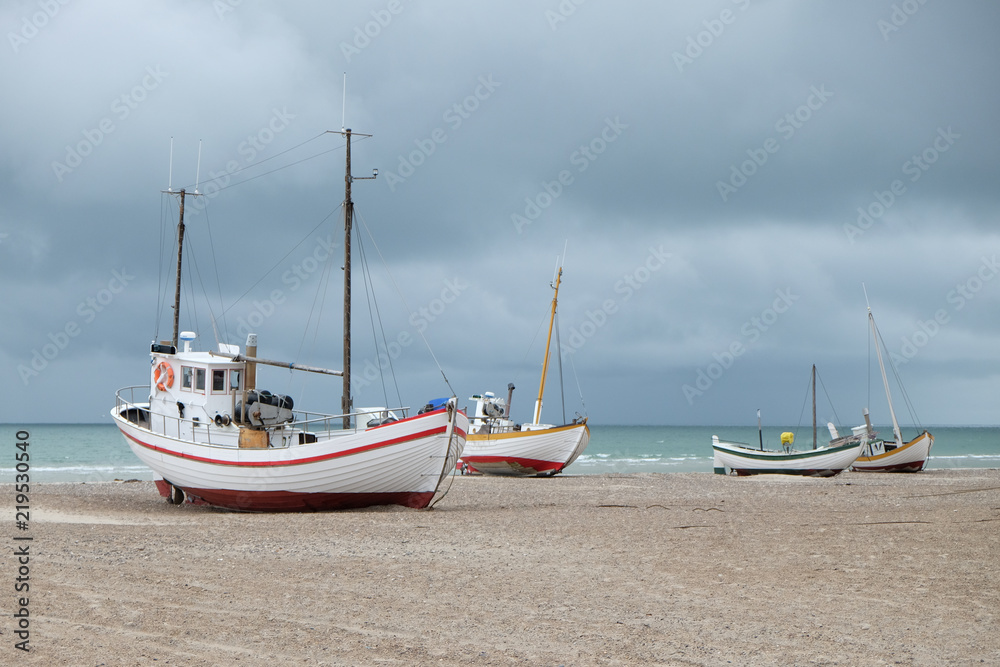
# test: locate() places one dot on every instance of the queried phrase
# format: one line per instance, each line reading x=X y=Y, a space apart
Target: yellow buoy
x=787 y=438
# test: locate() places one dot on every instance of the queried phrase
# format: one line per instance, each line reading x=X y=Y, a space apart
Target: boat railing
x=309 y=421
x=745 y=445
x=492 y=425
x=317 y=423
x=187 y=428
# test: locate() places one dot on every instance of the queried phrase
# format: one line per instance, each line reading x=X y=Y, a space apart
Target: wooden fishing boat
x=496 y=445
x=894 y=455
x=202 y=425
x=743 y=459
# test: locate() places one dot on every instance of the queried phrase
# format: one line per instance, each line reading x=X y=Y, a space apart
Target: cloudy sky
x=724 y=177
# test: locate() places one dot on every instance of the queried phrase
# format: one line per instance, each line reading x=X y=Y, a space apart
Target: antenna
x=866 y=297
x=170 y=174
x=197 y=173
x=343 y=109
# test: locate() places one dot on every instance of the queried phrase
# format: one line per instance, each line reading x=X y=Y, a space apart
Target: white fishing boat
x=740 y=458
x=496 y=445
x=202 y=425
x=879 y=455
x=743 y=459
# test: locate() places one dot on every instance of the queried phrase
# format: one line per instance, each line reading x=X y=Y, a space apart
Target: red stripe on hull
x=312 y=459
x=516 y=465
x=290 y=501
x=912 y=466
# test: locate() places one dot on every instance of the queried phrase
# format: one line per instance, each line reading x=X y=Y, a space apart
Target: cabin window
x=199 y=379
x=235 y=379
x=187 y=377
x=218 y=381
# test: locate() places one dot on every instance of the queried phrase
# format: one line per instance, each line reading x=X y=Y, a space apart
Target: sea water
x=98 y=452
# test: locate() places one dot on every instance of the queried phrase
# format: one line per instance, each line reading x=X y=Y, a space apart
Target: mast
x=177 y=289
x=885 y=380
x=345 y=400
x=346 y=403
x=760 y=433
x=814 y=405
x=548 y=342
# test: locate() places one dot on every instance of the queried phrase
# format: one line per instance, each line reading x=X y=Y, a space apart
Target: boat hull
x=823 y=462
x=911 y=457
x=540 y=452
x=401 y=463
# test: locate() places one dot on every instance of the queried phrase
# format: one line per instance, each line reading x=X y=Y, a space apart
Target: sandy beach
x=676 y=569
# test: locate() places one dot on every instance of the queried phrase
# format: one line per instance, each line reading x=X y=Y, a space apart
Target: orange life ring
x=163 y=376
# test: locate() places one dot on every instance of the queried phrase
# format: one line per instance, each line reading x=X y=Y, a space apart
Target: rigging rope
x=320 y=297
x=562 y=389
x=573 y=366
x=803 y=410
x=899 y=382
x=524 y=360
x=825 y=393
x=833 y=409
x=373 y=304
x=278 y=263
x=218 y=281
x=168 y=198
x=405 y=305
x=227 y=174
x=208 y=304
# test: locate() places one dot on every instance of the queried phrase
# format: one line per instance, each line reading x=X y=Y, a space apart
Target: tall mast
x=177 y=289
x=548 y=342
x=346 y=403
x=814 y=405
x=345 y=400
